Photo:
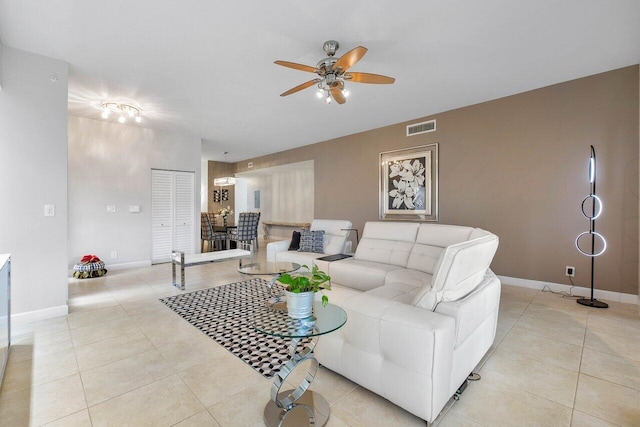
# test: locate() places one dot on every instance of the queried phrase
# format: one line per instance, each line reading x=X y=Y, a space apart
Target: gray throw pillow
x=312 y=241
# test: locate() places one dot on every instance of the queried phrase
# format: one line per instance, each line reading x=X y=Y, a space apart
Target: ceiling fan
x=333 y=73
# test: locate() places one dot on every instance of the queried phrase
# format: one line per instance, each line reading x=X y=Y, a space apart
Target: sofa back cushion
x=432 y=239
x=387 y=242
x=459 y=270
x=335 y=238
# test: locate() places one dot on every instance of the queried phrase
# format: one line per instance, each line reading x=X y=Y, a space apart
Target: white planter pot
x=299 y=306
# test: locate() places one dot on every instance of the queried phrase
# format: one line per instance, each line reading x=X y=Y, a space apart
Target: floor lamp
x=596 y=210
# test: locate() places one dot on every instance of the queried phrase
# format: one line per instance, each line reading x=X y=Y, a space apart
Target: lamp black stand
x=595 y=201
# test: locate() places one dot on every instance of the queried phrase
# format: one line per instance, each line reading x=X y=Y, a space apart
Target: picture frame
x=409 y=184
x=221 y=195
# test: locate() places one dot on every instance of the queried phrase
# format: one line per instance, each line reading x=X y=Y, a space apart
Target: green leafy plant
x=313 y=280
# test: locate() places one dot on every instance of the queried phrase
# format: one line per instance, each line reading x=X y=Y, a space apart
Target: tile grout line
x=575 y=395
x=84 y=393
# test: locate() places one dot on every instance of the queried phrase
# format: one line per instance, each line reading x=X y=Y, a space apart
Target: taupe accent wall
x=516 y=166
x=220 y=170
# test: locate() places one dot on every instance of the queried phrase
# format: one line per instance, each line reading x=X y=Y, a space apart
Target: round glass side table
x=274 y=269
x=300 y=406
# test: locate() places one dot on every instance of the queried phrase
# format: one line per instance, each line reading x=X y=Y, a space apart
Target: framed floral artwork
x=409 y=184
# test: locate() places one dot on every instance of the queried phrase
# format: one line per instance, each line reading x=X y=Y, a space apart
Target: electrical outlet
x=114 y=254
x=570 y=271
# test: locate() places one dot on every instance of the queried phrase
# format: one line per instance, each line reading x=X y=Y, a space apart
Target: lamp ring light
x=597 y=202
x=594 y=235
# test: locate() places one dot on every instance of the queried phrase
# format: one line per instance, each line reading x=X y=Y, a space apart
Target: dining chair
x=207 y=233
x=247 y=228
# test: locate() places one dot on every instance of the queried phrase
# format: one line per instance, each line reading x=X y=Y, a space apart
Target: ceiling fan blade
x=368 y=78
x=336 y=93
x=350 y=58
x=300 y=87
x=297 y=66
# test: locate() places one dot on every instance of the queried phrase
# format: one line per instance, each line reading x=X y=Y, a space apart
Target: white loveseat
x=422 y=310
x=334 y=242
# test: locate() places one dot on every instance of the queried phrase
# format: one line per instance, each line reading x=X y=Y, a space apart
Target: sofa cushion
x=302 y=258
x=396 y=291
x=398 y=231
x=458 y=271
x=442 y=235
x=413 y=278
x=387 y=242
x=357 y=274
x=384 y=251
x=335 y=234
x=424 y=257
x=431 y=241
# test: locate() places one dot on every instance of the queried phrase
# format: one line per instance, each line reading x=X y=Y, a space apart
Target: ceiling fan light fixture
x=332 y=73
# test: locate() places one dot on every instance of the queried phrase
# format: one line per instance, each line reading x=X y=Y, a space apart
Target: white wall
x=33 y=172
x=204 y=185
x=241 y=199
x=110 y=164
x=0 y=64
x=286 y=194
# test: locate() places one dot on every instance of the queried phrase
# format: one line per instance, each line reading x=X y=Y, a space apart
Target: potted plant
x=300 y=289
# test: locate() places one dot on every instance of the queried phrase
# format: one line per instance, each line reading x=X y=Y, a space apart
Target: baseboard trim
x=558 y=287
x=122 y=266
x=37 y=315
x=127 y=265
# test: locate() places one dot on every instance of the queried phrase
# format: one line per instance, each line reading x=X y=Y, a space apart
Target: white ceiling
x=205 y=67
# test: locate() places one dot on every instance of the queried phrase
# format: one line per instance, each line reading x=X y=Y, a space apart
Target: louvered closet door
x=172 y=212
x=184 y=189
x=161 y=215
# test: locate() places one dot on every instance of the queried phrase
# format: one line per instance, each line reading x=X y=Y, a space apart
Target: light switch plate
x=111 y=208
x=49 y=210
x=134 y=209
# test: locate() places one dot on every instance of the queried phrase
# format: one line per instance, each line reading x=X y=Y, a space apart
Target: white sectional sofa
x=422 y=310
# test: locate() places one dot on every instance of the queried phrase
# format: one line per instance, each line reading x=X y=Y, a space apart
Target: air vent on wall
x=419 y=128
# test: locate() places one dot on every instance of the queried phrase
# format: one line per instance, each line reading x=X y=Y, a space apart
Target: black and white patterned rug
x=224 y=313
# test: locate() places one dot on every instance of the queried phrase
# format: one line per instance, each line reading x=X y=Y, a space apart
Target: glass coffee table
x=298 y=407
x=274 y=269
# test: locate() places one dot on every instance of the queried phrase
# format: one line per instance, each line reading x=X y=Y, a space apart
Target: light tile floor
x=122 y=358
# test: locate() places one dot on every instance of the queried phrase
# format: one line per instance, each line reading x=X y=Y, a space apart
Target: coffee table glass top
x=275 y=321
x=268 y=268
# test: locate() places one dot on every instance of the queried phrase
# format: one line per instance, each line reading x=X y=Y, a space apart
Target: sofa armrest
x=274 y=247
x=401 y=352
x=472 y=310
